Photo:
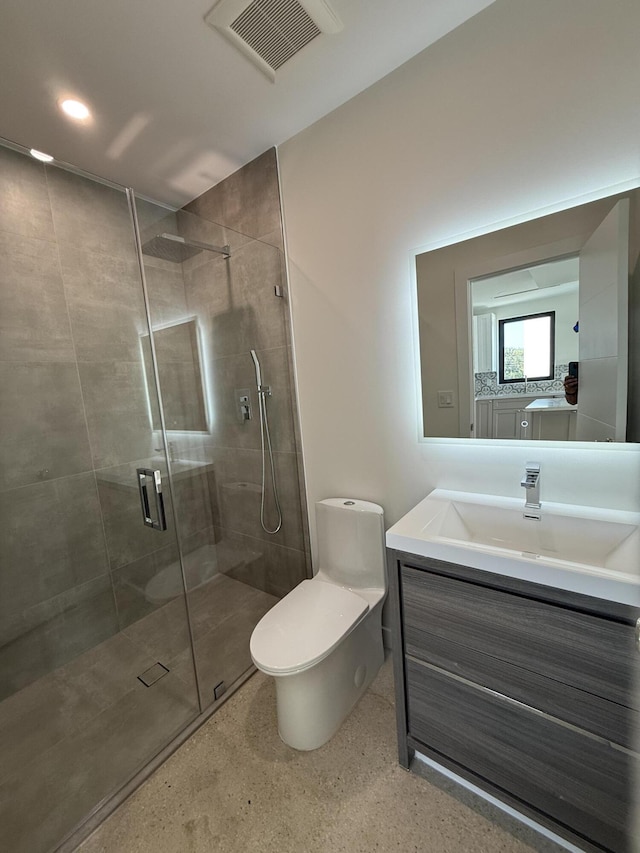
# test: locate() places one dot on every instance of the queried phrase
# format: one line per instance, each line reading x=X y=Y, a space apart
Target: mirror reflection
x=180 y=376
x=528 y=332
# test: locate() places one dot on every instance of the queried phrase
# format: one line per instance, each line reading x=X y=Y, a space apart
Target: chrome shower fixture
x=171 y=247
x=264 y=391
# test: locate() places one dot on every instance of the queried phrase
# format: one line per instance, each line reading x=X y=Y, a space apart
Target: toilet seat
x=305 y=626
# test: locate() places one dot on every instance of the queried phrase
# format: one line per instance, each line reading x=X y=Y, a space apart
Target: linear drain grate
x=153 y=674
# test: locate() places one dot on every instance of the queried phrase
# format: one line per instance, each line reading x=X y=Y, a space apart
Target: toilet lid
x=304 y=626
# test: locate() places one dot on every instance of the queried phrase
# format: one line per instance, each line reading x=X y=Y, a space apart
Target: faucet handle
x=532 y=473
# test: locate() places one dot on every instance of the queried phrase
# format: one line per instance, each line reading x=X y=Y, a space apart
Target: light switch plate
x=446 y=399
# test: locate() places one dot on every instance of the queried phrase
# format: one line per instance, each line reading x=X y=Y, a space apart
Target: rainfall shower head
x=171 y=247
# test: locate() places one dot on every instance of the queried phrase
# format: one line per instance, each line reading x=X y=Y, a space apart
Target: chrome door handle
x=160 y=522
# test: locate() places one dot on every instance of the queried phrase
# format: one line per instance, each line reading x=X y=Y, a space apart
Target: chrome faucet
x=531 y=482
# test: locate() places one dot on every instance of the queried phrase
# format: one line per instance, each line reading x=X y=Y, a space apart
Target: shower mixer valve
x=243 y=401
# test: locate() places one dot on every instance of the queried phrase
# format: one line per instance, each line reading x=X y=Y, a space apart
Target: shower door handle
x=160 y=522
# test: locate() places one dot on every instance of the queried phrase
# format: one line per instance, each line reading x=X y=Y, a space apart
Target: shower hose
x=265 y=445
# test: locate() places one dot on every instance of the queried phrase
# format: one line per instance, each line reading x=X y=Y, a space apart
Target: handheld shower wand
x=256 y=364
x=264 y=391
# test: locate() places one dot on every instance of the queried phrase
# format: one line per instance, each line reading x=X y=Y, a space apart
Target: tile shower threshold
x=105 y=808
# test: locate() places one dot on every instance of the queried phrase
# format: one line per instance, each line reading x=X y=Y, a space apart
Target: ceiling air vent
x=270 y=32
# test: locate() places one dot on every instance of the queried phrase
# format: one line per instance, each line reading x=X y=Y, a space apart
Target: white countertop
x=413 y=534
x=551 y=404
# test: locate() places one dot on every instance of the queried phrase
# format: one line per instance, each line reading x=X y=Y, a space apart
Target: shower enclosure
x=133 y=564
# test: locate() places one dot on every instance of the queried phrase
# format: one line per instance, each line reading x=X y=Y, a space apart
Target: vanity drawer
x=581 y=650
x=574 y=778
x=609 y=720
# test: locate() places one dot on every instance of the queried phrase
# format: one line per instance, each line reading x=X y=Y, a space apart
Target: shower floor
x=72 y=738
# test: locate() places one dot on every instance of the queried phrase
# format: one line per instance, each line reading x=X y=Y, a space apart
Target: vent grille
x=270 y=32
x=275 y=29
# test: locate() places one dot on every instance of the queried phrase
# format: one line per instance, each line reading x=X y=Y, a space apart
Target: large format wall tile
x=237 y=311
x=89 y=214
x=128 y=538
x=57 y=641
x=35 y=322
x=129 y=589
x=105 y=301
x=116 y=402
x=25 y=207
x=227 y=376
x=239 y=487
x=42 y=424
x=51 y=541
x=235 y=300
x=165 y=286
x=247 y=201
x=263 y=564
x=196 y=500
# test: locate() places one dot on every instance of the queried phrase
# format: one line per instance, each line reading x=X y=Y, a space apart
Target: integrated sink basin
x=586 y=549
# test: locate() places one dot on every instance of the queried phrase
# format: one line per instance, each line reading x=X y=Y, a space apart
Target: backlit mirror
x=505 y=317
x=180 y=376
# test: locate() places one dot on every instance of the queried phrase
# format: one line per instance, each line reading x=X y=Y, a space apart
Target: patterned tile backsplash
x=486 y=384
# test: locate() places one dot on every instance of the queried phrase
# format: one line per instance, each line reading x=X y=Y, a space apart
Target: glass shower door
x=212 y=299
x=96 y=663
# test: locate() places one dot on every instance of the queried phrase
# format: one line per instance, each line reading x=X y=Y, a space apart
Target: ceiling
x=524 y=285
x=175 y=107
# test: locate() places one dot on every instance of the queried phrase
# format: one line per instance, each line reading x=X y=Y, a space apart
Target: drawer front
x=577 y=780
x=583 y=651
x=606 y=719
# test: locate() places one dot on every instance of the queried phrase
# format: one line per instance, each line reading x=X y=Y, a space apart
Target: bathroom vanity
x=517 y=672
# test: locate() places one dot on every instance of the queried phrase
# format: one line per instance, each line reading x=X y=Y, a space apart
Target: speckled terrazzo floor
x=234 y=786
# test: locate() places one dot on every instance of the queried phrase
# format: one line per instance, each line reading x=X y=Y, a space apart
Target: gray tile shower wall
x=238 y=310
x=74 y=414
x=247 y=201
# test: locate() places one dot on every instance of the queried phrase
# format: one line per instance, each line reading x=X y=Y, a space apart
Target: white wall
x=528 y=106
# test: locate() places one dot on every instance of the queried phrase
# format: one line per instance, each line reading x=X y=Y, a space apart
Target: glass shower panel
x=96 y=666
x=211 y=300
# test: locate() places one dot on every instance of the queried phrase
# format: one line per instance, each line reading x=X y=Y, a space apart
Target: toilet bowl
x=323 y=641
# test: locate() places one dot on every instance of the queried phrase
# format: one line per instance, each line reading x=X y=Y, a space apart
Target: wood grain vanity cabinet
x=523 y=689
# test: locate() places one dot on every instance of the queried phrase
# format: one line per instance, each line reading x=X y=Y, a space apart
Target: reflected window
x=526 y=347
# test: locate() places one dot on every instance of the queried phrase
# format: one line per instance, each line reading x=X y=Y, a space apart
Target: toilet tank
x=351 y=547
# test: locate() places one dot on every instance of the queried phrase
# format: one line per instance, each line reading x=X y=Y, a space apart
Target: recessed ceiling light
x=40 y=155
x=75 y=109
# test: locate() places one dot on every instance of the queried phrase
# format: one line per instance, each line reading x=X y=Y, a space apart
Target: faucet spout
x=531 y=482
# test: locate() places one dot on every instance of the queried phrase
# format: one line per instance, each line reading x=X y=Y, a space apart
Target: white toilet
x=323 y=641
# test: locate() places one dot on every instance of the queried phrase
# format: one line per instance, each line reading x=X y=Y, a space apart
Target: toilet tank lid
x=305 y=626
x=353 y=504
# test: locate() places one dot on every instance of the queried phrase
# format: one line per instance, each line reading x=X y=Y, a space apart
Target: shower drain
x=153 y=674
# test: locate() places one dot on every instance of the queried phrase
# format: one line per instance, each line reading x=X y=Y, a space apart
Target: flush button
x=349 y=503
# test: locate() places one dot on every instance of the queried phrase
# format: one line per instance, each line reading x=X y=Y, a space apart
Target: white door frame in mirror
x=464 y=276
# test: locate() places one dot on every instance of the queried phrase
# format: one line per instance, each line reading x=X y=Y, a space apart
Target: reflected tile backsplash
x=486 y=384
